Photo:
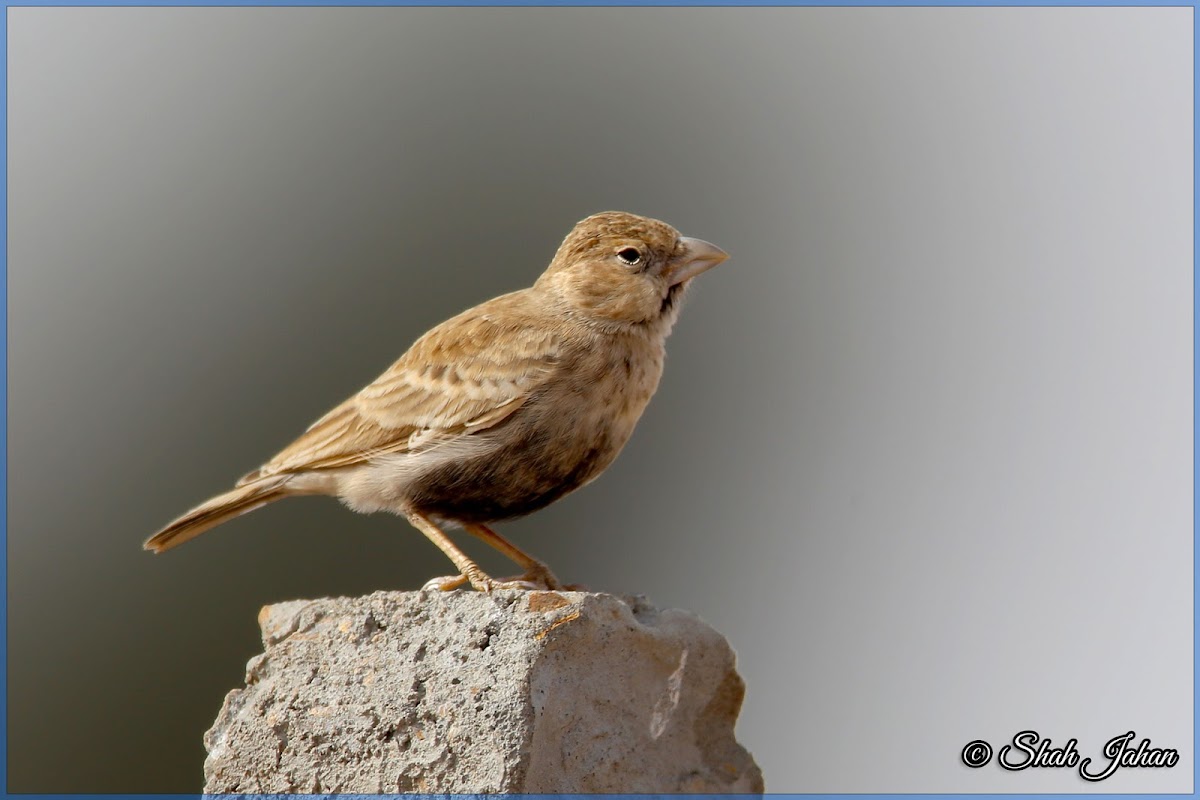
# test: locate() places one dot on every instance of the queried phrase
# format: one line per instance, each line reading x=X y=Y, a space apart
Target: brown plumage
x=501 y=410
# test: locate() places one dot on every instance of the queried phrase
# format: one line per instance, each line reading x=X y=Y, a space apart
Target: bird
x=501 y=410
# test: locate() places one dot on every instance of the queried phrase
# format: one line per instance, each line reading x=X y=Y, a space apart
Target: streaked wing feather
x=466 y=375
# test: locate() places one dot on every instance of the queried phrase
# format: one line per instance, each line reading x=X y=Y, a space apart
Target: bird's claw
x=541 y=577
x=514 y=583
x=446 y=583
x=533 y=580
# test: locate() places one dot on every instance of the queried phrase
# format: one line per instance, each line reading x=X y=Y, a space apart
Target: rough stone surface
x=462 y=692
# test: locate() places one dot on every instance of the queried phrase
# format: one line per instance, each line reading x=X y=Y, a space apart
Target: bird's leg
x=535 y=570
x=469 y=569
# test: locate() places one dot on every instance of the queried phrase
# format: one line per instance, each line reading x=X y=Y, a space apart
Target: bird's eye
x=630 y=256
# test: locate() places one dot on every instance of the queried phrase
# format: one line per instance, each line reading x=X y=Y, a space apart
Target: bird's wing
x=464 y=376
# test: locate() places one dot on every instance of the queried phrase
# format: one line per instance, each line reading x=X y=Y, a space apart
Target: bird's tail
x=221 y=508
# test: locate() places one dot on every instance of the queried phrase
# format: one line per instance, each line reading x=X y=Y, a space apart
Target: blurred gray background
x=923 y=449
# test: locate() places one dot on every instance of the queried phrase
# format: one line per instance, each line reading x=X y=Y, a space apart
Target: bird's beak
x=698 y=256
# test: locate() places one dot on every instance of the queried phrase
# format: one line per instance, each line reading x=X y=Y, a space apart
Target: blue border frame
x=4 y=432
x=607 y=4
x=603 y=4
x=598 y=3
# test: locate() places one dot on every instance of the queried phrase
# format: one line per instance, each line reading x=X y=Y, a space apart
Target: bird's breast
x=563 y=437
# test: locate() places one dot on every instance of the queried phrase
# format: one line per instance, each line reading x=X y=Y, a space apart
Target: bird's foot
x=540 y=577
x=518 y=583
x=446 y=583
x=481 y=583
x=537 y=577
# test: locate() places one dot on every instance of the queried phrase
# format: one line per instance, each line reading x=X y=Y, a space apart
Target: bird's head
x=622 y=269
